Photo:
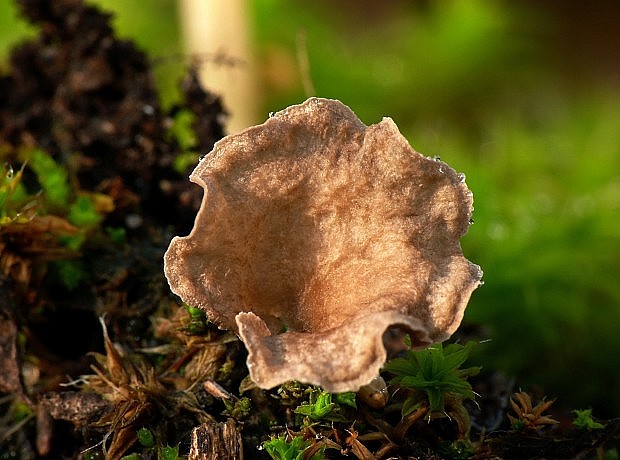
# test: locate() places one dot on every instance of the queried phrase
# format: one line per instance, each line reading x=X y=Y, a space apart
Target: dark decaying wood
x=216 y=441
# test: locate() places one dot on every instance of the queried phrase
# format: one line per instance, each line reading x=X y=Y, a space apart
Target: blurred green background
x=522 y=97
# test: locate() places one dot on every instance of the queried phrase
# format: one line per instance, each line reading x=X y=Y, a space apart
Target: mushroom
x=316 y=234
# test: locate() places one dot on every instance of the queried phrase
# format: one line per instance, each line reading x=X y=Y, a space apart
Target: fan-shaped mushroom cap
x=316 y=233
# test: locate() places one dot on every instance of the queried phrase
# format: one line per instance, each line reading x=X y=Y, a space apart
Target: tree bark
x=216 y=441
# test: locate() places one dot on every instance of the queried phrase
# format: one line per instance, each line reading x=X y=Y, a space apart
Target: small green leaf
x=170 y=453
x=183 y=132
x=117 y=234
x=583 y=420
x=435 y=398
x=70 y=272
x=320 y=407
x=455 y=355
x=412 y=403
x=198 y=323
x=52 y=177
x=196 y=313
x=184 y=161
x=238 y=408
x=402 y=367
x=83 y=213
x=21 y=411
x=346 y=399
x=145 y=437
x=280 y=449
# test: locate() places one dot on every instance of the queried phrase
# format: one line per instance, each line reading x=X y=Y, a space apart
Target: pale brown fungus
x=317 y=233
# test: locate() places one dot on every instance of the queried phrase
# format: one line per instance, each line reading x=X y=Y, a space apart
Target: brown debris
x=216 y=440
x=44 y=431
x=78 y=407
x=10 y=381
x=26 y=245
x=333 y=231
x=529 y=416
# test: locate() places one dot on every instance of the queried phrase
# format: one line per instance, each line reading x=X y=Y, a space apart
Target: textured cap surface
x=317 y=225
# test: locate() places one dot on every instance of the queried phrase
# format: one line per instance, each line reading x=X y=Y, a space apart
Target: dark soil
x=134 y=357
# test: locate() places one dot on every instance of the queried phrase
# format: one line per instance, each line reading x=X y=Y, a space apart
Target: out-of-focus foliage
x=12 y=28
x=446 y=60
x=547 y=233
